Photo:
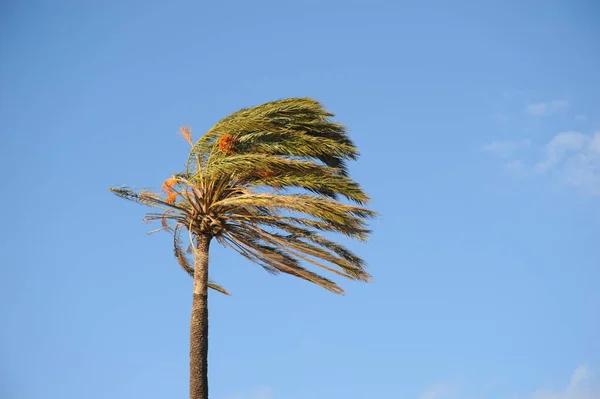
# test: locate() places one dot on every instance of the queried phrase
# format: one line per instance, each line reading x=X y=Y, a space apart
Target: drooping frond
x=275 y=260
x=303 y=244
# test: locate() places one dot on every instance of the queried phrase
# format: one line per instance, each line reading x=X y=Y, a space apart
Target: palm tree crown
x=267 y=181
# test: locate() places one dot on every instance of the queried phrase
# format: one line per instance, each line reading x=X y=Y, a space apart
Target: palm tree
x=264 y=181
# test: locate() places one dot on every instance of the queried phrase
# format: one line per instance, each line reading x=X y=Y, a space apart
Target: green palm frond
x=327 y=210
x=274 y=171
x=294 y=127
x=235 y=188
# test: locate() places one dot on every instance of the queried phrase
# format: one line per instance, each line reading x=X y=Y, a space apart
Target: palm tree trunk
x=199 y=322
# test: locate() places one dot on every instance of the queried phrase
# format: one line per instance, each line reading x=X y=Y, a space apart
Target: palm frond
x=280 y=261
x=147 y=198
x=241 y=182
x=327 y=210
x=303 y=121
x=350 y=266
x=267 y=170
x=348 y=231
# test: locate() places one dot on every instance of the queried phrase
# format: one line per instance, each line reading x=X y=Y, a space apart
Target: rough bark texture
x=199 y=323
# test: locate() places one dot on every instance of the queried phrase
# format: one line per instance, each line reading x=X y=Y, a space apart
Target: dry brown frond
x=186 y=133
x=163 y=220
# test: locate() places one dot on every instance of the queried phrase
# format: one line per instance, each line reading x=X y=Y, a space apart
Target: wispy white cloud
x=573 y=157
x=505 y=148
x=561 y=146
x=546 y=108
x=580 y=374
x=580 y=118
x=583 y=384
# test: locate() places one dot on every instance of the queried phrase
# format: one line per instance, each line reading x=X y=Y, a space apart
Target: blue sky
x=478 y=124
